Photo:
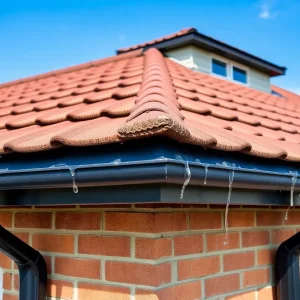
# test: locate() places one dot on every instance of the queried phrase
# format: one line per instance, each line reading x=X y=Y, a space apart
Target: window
x=239 y=75
x=219 y=67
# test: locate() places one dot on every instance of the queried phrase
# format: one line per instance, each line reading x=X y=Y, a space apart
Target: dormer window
x=229 y=70
x=219 y=67
x=239 y=75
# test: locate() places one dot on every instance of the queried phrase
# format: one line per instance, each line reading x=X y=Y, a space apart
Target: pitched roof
x=138 y=95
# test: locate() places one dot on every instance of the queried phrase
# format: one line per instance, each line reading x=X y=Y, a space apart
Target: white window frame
x=229 y=69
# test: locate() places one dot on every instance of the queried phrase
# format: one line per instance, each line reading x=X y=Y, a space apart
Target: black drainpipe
x=31 y=264
x=287 y=269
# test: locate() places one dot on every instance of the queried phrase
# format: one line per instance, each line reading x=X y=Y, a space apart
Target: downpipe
x=31 y=264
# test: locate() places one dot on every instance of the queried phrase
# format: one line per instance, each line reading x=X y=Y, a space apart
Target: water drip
x=206 y=172
x=72 y=171
x=166 y=171
x=231 y=178
x=75 y=188
x=205 y=166
x=117 y=161
x=294 y=180
x=187 y=175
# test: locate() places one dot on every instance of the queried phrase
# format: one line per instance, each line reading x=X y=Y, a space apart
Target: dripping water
x=205 y=166
x=75 y=188
x=294 y=180
x=206 y=172
x=117 y=161
x=187 y=177
x=231 y=178
x=72 y=171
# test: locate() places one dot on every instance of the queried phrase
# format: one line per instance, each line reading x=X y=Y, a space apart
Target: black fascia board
x=220 y=48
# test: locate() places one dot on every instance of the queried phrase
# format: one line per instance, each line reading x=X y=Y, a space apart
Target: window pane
x=239 y=75
x=218 y=67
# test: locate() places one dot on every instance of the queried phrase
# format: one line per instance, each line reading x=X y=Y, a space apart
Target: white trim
x=229 y=69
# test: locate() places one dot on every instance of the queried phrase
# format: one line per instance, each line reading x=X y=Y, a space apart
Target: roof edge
x=193 y=37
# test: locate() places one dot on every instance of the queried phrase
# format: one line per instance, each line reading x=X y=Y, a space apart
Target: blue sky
x=38 y=36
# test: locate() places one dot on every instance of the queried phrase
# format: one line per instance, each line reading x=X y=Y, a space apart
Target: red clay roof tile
x=136 y=95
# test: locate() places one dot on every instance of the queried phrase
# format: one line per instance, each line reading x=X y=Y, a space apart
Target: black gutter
x=31 y=264
x=215 y=46
x=287 y=269
x=159 y=171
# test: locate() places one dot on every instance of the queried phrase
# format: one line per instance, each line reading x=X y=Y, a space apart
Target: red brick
x=48 y=260
x=192 y=268
x=205 y=220
x=16 y=282
x=6 y=219
x=240 y=219
x=145 y=295
x=222 y=284
x=85 y=268
x=106 y=206
x=5 y=261
x=146 y=222
x=255 y=238
x=169 y=205
x=33 y=220
x=256 y=277
x=267 y=293
x=186 y=291
x=269 y=218
x=87 y=291
x=239 y=261
x=184 y=245
x=104 y=245
x=7 y=281
x=293 y=218
x=10 y=297
x=53 y=243
x=153 y=248
x=60 y=289
x=279 y=236
x=243 y=296
x=78 y=220
x=266 y=256
x=135 y=273
x=215 y=241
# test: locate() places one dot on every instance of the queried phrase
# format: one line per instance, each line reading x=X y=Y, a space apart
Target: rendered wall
x=200 y=60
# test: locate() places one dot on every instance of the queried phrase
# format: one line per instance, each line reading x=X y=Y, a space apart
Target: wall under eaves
x=151 y=252
x=199 y=59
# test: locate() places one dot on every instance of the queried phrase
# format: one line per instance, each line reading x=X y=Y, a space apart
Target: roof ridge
x=157 y=40
x=157 y=110
x=98 y=62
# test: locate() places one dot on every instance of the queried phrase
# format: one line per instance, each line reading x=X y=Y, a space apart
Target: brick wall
x=141 y=252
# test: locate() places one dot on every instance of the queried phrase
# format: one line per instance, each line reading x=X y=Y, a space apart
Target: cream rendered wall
x=199 y=59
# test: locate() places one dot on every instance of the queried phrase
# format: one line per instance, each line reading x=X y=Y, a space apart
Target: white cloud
x=266 y=11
